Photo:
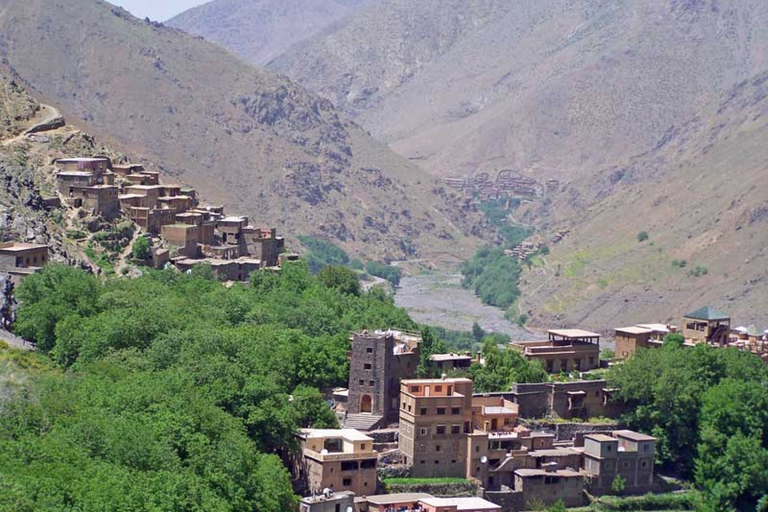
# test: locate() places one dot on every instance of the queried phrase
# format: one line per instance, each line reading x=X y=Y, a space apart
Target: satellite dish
x=349 y=509
x=484 y=459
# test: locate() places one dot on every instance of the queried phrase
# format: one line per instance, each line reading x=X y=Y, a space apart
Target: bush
x=679 y=263
x=141 y=250
x=674 y=338
x=322 y=253
x=698 y=271
x=642 y=236
x=619 y=484
x=388 y=272
x=494 y=277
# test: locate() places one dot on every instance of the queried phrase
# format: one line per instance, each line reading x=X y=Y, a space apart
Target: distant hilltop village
x=182 y=232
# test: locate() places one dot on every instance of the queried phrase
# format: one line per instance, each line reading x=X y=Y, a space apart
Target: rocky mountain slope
x=555 y=88
x=240 y=135
x=260 y=30
x=700 y=194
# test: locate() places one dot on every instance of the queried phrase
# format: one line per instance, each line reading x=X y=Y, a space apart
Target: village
x=180 y=231
x=394 y=423
x=529 y=446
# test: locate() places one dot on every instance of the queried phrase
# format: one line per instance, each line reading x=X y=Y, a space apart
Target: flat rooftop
x=146 y=187
x=398 y=497
x=77 y=174
x=349 y=434
x=450 y=357
x=468 y=503
x=19 y=246
x=497 y=409
x=435 y=381
x=635 y=436
x=655 y=327
x=567 y=473
x=600 y=437
x=634 y=330
x=82 y=159
x=335 y=496
x=573 y=333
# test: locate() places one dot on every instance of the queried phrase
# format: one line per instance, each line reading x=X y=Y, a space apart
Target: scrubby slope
x=700 y=194
x=260 y=30
x=241 y=136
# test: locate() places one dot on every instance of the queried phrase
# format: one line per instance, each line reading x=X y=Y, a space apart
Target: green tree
x=429 y=346
x=478 y=332
x=642 y=236
x=502 y=368
x=558 y=506
x=141 y=250
x=618 y=485
x=343 y=279
x=674 y=338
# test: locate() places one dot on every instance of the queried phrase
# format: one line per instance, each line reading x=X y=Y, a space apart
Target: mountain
x=260 y=30
x=699 y=194
x=553 y=88
x=243 y=137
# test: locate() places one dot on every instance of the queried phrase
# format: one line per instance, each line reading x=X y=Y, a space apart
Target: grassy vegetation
x=424 y=481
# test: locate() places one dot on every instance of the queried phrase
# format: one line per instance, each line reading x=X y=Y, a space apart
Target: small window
x=438 y=447
x=362 y=446
x=403 y=405
x=422 y=462
x=437 y=462
x=440 y=430
x=644 y=464
x=477 y=449
x=424 y=431
x=367 y=366
x=645 y=448
x=609 y=448
x=455 y=410
x=346 y=482
x=365 y=484
x=371 y=383
x=453 y=461
x=441 y=410
x=369 y=350
x=438 y=389
x=415 y=389
x=423 y=411
x=362 y=382
x=456 y=429
x=597 y=393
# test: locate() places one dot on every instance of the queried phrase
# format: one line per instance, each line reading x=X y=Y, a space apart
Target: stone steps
x=364 y=422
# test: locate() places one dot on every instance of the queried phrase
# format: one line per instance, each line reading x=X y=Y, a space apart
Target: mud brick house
x=565 y=350
x=337 y=459
x=88 y=183
x=629 y=339
x=328 y=502
x=378 y=362
x=435 y=417
x=20 y=260
x=707 y=325
x=624 y=453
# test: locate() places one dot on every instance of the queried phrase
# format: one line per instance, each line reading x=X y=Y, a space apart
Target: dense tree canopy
x=175 y=392
x=708 y=408
x=504 y=367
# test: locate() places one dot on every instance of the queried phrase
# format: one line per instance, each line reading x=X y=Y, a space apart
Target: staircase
x=364 y=422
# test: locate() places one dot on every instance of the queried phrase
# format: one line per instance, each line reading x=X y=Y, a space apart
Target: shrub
x=619 y=484
x=141 y=250
x=674 y=338
x=388 y=272
x=642 y=236
x=698 y=271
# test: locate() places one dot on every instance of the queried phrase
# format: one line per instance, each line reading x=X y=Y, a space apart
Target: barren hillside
x=557 y=88
x=243 y=137
x=700 y=194
x=260 y=30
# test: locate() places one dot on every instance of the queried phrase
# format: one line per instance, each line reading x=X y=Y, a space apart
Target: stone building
x=378 y=362
x=575 y=399
x=565 y=350
x=550 y=485
x=707 y=325
x=20 y=259
x=624 y=453
x=339 y=460
x=422 y=502
x=448 y=362
x=629 y=339
x=88 y=183
x=435 y=416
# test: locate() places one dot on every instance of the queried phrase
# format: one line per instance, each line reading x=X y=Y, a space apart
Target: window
x=455 y=429
x=437 y=462
x=369 y=350
x=597 y=393
x=415 y=389
x=367 y=366
x=438 y=448
x=441 y=410
x=403 y=405
x=362 y=446
x=453 y=461
x=440 y=430
x=362 y=382
x=477 y=449
x=645 y=448
x=422 y=462
x=644 y=464
x=423 y=411
x=346 y=482
x=438 y=389
x=371 y=383
x=365 y=484
x=455 y=410
x=424 y=431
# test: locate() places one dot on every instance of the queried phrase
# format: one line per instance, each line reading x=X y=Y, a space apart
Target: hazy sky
x=158 y=10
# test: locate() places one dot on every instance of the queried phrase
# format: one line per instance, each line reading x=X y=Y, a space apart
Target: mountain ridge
x=240 y=135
